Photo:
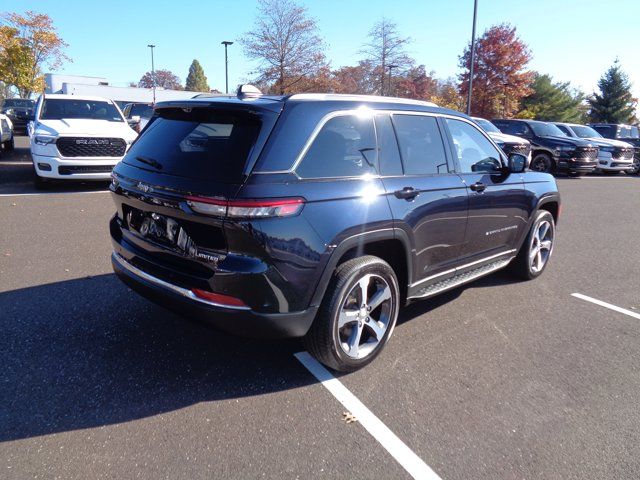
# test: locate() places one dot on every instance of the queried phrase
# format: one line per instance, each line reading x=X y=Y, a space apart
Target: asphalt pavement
x=500 y=379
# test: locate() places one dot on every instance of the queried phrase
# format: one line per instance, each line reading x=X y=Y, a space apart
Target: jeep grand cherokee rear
x=319 y=215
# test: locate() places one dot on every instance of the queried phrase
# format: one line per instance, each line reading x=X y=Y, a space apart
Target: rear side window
x=421 y=145
x=202 y=143
x=344 y=147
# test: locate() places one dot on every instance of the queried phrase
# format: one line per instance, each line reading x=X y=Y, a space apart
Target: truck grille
x=521 y=148
x=623 y=153
x=91 y=147
x=586 y=153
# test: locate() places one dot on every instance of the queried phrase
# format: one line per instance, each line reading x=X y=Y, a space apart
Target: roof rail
x=360 y=98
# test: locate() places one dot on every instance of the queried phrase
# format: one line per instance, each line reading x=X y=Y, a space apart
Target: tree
x=500 y=78
x=552 y=102
x=614 y=103
x=196 y=80
x=386 y=50
x=448 y=96
x=286 y=44
x=164 y=79
x=27 y=44
x=359 y=79
x=416 y=83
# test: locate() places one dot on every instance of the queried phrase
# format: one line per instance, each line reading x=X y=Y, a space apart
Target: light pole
x=153 y=73
x=473 y=55
x=226 y=43
x=391 y=67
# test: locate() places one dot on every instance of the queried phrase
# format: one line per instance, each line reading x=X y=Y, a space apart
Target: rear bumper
x=239 y=321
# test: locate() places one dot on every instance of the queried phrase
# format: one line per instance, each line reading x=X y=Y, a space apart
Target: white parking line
x=385 y=437
x=50 y=193
x=606 y=305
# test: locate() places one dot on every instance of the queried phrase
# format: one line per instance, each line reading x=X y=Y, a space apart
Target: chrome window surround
x=339 y=113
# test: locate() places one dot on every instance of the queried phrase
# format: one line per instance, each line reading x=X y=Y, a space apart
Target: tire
x=635 y=170
x=41 y=183
x=359 y=338
x=541 y=162
x=524 y=265
x=9 y=145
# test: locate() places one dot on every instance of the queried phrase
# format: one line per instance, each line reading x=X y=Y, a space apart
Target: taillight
x=282 y=207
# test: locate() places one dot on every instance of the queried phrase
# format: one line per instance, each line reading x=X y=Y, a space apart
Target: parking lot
x=499 y=379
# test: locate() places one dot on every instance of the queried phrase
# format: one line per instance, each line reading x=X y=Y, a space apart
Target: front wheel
x=635 y=170
x=541 y=162
x=9 y=145
x=357 y=315
x=534 y=254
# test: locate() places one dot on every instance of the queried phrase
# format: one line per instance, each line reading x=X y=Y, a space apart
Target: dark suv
x=551 y=150
x=20 y=111
x=318 y=216
x=625 y=133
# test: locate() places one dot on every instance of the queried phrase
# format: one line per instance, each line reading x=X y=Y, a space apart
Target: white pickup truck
x=77 y=138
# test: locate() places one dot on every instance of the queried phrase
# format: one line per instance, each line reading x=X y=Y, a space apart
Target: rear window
x=203 y=143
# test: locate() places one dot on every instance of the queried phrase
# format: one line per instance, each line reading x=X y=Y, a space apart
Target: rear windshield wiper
x=150 y=161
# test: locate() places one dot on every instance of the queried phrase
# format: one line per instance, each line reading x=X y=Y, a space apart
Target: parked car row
x=6 y=133
x=571 y=148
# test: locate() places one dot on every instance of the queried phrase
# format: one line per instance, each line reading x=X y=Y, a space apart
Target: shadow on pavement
x=88 y=352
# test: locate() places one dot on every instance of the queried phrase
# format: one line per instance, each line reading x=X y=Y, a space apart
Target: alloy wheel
x=365 y=315
x=541 y=246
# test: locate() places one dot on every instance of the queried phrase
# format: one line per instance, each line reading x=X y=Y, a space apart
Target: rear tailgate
x=186 y=150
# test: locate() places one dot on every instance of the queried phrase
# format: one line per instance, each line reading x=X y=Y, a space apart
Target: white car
x=6 y=133
x=77 y=138
x=508 y=143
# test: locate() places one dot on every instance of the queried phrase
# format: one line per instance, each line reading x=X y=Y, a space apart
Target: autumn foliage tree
x=28 y=43
x=500 y=78
x=286 y=45
x=164 y=79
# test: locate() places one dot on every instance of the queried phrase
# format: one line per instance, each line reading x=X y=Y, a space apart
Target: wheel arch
x=391 y=245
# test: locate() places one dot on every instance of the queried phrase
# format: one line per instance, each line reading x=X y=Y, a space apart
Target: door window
x=388 y=153
x=421 y=146
x=474 y=151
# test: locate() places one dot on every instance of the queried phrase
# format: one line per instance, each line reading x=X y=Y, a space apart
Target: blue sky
x=573 y=40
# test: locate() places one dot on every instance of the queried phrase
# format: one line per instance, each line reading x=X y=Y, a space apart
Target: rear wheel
x=541 y=162
x=534 y=254
x=357 y=315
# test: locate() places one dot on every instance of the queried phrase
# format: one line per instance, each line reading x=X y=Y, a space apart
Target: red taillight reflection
x=218 y=298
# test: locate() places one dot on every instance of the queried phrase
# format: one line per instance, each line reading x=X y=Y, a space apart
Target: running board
x=460 y=279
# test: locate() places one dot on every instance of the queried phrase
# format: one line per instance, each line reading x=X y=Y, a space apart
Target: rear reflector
x=218 y=298
x=282 y=207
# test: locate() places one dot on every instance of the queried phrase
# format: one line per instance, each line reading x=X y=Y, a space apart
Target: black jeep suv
x=318 y=216
x=551 y=150
x=20 y=111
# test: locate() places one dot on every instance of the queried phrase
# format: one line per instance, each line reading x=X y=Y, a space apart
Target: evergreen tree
x=552 y=102
x=196 y=80
x=614 y=103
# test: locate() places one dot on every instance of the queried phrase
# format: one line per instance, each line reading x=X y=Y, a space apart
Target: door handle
x=478 y=187
x=408 y=193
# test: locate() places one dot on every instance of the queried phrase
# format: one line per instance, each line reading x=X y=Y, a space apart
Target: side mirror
x=517 y=163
